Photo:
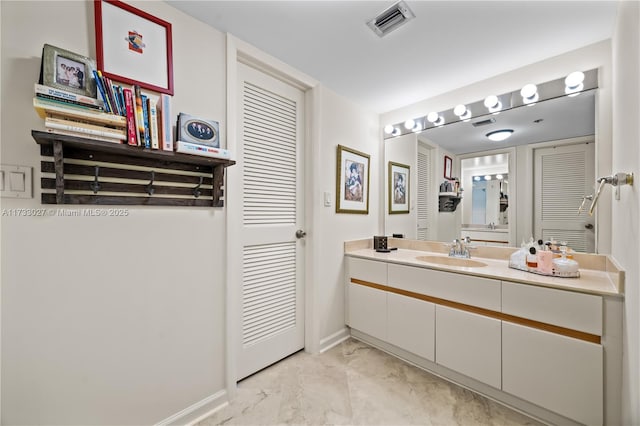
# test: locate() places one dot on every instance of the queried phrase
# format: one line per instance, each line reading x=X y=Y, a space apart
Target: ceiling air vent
x=392 y=18
x=483 y=122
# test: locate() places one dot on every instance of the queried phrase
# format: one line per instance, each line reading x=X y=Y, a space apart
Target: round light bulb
x=487 y=177
x=409 y=124
x=433 y=117
x=529 y=93
x=388 y=129
x=460 y=110
x=476 y=178
x=574 y=79
x=395 y=132
x=499 y=177
x=491 y=101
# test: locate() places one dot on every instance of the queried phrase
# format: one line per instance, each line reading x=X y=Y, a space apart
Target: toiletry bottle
x=545 y=262
x=532 y=258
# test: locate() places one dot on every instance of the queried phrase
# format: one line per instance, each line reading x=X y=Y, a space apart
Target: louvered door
x=425 y=207
x=563 y=175
x=271 y=311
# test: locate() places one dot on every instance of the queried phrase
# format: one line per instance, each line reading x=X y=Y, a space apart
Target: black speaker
x=380 y=243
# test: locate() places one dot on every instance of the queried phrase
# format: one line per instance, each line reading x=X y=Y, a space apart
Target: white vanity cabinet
x=367 y=306
x=561 y=371
x=411 y=325
x=562 y=374
x=538 y=344
x=469 y=344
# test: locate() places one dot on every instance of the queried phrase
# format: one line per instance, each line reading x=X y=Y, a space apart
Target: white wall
x=341 y=123
x=626 y=211
x=107 y=320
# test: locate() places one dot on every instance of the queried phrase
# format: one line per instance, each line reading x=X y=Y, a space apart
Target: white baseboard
x=198 y=411
x=335 y=339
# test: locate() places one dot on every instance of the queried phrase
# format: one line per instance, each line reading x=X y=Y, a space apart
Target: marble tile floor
x=356 y=384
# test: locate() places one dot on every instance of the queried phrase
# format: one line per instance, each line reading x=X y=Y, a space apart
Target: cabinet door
x=562 y=374
x=367 y=310
x=469 y=344
x=411 y=325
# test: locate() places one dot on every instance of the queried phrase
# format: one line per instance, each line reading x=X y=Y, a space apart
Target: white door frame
x=240 y=51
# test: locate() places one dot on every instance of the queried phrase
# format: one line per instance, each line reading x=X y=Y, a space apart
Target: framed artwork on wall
x=352 y=181
x=448 y=167
x=133 y=46
x=398 y=188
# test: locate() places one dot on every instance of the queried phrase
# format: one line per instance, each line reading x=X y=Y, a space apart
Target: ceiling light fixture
x=493 y=104
x=462 y=112
x=435 y=118
x=388 y=129
x=529 y=94
x=574 y=83
x=499 y=135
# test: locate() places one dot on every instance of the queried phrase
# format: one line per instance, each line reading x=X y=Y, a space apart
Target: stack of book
x=148 y=117
x=123 y=115
x=67 y=113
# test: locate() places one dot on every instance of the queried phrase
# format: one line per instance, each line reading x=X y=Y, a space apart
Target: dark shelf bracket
x=150 y=189
x=95 y=185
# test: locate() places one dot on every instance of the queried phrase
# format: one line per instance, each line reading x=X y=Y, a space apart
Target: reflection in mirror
x=556 y=122
x=490 y=200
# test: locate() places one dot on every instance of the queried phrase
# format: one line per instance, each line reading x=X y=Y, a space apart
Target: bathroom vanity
x=548 y=346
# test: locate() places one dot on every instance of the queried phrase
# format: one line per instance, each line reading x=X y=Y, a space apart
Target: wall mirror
x=528 y=161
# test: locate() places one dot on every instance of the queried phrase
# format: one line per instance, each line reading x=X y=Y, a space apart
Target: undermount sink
x=451 y=261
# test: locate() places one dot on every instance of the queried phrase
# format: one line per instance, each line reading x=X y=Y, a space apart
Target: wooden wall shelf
x=96 y=169
x=448 y=201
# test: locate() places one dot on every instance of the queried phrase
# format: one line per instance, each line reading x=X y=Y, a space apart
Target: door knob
x=589 y=226
x=300 y=234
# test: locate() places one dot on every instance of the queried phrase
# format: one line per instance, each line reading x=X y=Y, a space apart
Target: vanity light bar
x=571 y=85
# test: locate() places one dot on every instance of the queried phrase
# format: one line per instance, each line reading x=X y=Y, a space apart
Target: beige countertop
x=605 y=279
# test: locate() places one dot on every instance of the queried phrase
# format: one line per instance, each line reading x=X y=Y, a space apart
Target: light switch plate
x=16 y=181
x=327 y=199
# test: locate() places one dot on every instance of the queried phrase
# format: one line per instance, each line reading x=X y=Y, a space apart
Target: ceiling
x=450 y=44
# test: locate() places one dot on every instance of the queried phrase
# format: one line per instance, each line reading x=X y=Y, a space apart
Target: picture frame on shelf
x=66 y=70
x=399 y=188
x=448 y=167
x=133 y=46
x=198 y=130
x=352 y=181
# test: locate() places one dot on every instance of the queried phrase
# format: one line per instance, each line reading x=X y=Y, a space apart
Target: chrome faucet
x=460 y=248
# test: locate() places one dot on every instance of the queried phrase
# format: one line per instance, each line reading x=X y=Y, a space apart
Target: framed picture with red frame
x=133 y=47
x=448 y=167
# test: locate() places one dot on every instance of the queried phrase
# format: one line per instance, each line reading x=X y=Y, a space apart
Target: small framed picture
x=68 y=71
x=448 y=167
x=352 y=181
x=399 y=179
x=198 y=130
